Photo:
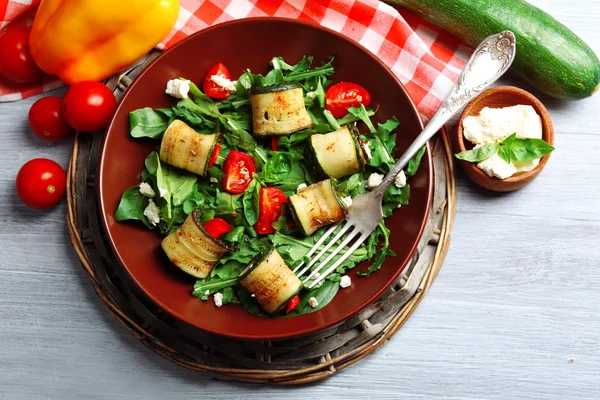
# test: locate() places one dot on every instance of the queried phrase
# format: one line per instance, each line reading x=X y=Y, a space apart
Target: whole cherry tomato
x=341 y=96
x=214 y=156
x=88 y=106
x=217 y=227
x=47 y=121
x=270 y=202
x=212 y=88
x=16 y=63
x=238 y=168
x=41 y=183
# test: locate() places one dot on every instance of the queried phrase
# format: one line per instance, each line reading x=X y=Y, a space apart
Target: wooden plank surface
x=514 y=313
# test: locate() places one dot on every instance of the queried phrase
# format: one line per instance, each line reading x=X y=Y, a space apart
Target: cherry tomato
x=41 y=183
x=238 y=168
x=341 y=96
x=274 y=142
x=217 y=227
x=47 y=121
x=210 y=87
x=88 y=106
x=292 y=303
x=16 y=63
x=270 y=202
x=214 y=156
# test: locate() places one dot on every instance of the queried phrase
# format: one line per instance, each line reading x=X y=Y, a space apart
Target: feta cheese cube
x=146 y=190
x=152 y=212
x=345 y=281
x=374 y=180
x=301 y=187
x=311 y=95
x=400 y=179
x=218 y=299
x=347 y=201
x=313 y=302
x=162 y=192
x=224 y=82
x=367 y=149
x=178 y=88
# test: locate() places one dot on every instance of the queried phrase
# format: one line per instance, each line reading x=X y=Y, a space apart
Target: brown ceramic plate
x=251 y=43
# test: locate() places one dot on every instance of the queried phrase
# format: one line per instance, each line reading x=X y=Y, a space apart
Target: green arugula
x=147 y=122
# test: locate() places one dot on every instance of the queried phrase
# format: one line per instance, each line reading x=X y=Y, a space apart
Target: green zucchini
x=316 y=206
x=184 y=148
x=271 y=281
x=549 y=55
x=279 y=110
x=337 y=154
x=192 y=249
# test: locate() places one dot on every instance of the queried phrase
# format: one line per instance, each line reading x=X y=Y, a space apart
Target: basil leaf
x=323 y=294
x=509 y=140
x=526 y=149
x=505 y=153
x=250 y=202
x=478 y=154
x=413 y=164
x=132 y=206
x=145 y=122
x=278 y=167
x=235 y=235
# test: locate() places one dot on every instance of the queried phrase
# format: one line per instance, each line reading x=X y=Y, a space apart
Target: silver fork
x=490 y=61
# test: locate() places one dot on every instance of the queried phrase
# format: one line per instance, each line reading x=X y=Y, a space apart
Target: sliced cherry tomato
x=47 y=121
x=88 y=106
x=238 y=168
x=41 y=183
x=341 y=96
x=16 y=63
x=210 y=87
x=292 y=303
x=217 y=227
x=274 y=142
x=270 y=202
x=214 y=156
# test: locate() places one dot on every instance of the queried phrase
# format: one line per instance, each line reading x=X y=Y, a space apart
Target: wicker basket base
x=291 y=361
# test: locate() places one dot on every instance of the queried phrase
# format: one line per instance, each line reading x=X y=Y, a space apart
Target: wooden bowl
x=498 y=97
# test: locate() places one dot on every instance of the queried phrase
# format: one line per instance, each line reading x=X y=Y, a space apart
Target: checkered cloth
x=426 y=60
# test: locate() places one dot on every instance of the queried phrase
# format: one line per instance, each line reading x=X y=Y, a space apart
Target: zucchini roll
x=271 y=281
x=184 y=148
x=337 y=154
x=278 y=109
x=192 y=249
x=316 y=206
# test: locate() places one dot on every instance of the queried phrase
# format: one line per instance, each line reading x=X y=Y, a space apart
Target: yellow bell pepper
x=82 y=40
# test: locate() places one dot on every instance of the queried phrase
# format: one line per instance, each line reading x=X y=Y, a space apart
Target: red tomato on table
x=41 y=183
x=47 y=121
x=270 y=202
x=341 y=96
x=16 y=63
x=217 y=227
x=89 y=106
x=238 y=168
x=210 y=87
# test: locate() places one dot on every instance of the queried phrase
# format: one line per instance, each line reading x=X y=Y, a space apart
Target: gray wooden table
x=514 y=313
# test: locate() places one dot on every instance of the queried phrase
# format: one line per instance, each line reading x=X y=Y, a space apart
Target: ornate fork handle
x=489 y=62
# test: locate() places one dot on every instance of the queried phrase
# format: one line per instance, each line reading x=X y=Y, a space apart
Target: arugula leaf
x=250 y=202
x=203 y=289
x=362 y=114
x=132 y=206
x=478 y=154
x=331 y=120
x=273 y=77
x=226 y=204
x=145 y=122
x=379 y=252
x=353 y=118
x=383 y=145
x=234 y=235
x=413 y=164
x=302 y=70
x=287 y=142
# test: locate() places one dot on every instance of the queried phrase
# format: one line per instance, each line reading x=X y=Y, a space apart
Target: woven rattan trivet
x=291 y=361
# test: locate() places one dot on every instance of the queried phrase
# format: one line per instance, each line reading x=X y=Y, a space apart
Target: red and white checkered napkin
x=426 y=60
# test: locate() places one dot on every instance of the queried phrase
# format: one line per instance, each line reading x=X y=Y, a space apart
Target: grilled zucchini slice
x=337 y=154
x=184 y=148
x=192 y=249
x=278 y=109
x=316 y=206
x=271 y=281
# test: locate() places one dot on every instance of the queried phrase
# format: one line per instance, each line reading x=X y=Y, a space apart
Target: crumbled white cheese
x=367 y=149
x=400 y=179
x=374 y=180
x=162 y=192
x=345 y=281
x=313 y=302
x=213 y=180
x=311 y=95
x=178 y=88
x=218 y=299
x=146 y=190
x=496 y=124
x=316 y=275
x=224 y=82
x=347 y=201
x=301 y=187
x=152 y=212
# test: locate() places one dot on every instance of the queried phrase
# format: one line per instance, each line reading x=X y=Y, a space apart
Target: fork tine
x=327 y=247
x=348 y=238
x=317 y=245
x=348 y=253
